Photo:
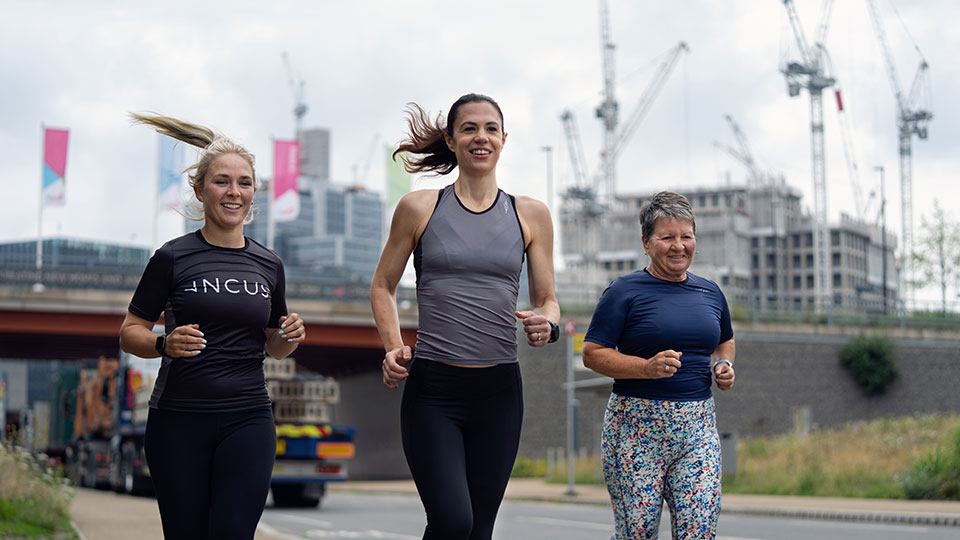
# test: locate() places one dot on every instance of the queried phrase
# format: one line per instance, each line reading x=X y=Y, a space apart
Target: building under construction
x=755 y=242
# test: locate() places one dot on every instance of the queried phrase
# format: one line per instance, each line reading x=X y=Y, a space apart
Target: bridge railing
x=299 y=284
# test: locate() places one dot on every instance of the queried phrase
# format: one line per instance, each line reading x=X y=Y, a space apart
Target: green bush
x=935 y=475
x=872 y=362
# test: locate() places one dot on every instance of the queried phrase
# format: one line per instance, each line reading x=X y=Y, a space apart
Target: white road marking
x=359 y=534
x=270 y=531
x=326 y=533
x=592 y=525
x=307 y=520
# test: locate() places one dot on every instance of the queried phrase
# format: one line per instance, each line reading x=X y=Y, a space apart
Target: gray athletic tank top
x=468 y=278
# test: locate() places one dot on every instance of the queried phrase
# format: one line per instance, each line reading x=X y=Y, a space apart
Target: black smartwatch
x=161 y=344
x=554 y=331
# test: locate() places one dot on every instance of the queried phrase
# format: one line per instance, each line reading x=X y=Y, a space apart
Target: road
x=400 y=517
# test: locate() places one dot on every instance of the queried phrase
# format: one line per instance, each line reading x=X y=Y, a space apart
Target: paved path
x=103 y=515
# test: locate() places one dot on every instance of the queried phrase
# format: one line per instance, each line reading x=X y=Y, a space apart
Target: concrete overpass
x=74 y=324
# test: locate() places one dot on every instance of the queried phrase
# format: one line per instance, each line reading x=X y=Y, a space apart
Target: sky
x=85 y=64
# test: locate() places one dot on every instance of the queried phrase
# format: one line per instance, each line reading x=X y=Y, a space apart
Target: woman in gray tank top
x=462 y=404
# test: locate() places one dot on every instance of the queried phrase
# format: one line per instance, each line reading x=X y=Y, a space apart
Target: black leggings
x=211 y=471
x=461 y=429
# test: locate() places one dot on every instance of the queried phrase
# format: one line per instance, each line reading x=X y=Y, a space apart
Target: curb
x=865 y=516
x=944 y=520
x=76 y=530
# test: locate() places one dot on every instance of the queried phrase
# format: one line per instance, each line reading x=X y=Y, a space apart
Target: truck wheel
x=297 y=495
x=83 y=457
x=118 y=478
x=122 y=484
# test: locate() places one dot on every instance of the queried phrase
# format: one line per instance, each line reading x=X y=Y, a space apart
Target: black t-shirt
x=234 y=295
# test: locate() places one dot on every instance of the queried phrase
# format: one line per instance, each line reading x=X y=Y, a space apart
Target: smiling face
x=477 y=138
x=671 y=248
x=227 y=193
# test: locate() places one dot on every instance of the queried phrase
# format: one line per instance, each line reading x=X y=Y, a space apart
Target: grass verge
x=865 y=459
x=34 y=499
x=913 y=457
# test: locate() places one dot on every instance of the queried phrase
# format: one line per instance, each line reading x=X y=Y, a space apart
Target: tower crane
x=912 y=120
x=362 y=170
x=296 y=88
x=575 y=146
x=608 y=111
x=742 y=153
x=809 y=73
x=586 y=203
x=643 y=104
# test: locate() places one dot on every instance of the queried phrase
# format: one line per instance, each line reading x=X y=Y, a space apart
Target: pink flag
x=54 y=190
x=286 y=169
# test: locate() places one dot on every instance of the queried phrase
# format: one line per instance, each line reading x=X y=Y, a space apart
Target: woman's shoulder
x=419 y=201
x=702 y=282
x=528 y=206
x=532 y=213
x=186 y=241
x=256 y=248
x=631 y=283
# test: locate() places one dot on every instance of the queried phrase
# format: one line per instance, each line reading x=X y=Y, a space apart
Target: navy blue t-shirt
x=641 y=315
x=233 y=294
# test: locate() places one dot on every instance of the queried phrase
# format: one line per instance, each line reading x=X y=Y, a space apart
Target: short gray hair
x=665 y=204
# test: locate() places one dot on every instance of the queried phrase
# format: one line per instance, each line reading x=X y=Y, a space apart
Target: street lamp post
x=883 y=235
x=549 y=152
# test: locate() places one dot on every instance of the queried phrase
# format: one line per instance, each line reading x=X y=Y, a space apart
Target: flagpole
x=156 y=193
x=38 y=286
x=271 y=227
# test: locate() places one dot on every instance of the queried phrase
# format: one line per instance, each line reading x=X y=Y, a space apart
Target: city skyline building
x=72 y=263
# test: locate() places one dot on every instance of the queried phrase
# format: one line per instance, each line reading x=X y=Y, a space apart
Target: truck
x=94 y=417
x=311 y=451
x=112 y=402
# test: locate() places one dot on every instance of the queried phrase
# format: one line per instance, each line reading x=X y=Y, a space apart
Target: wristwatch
x=554 y=331
x=722 y=361
x=161 y=344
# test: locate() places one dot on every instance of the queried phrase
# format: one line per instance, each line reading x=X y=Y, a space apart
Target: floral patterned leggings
x=655 y=450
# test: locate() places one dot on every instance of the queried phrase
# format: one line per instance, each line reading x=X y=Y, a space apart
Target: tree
x=937 y=255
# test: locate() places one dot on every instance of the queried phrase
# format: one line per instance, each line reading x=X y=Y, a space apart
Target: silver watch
x=722 y=361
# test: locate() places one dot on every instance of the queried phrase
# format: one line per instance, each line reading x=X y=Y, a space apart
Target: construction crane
x=589 y=199
x=809 y=73
x=912 y=120
x=608 y=111
x=643 y=104
x=362 y=170
x=296 y=88
x=575 y=148
x=742 y=153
